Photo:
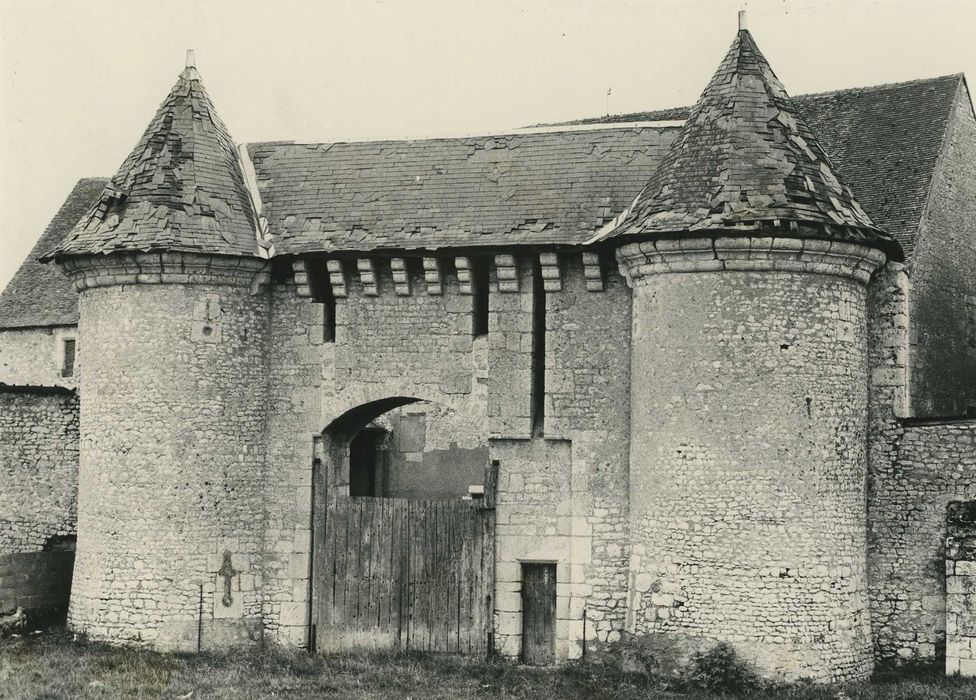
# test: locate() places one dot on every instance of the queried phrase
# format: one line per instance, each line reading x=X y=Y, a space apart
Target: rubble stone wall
x=748 y=461
x=960 y=604
x=171 y=497
x=931 y=464
x=34 y=356
x=38 y=467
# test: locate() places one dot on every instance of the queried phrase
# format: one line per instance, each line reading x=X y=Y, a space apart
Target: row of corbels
x=506 y=273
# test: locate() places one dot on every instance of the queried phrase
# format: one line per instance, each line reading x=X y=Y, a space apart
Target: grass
x=53 y=666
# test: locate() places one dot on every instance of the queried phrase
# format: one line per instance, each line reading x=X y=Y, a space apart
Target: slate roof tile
x=746 y=156
x=557 y=187
x=181 y=188
x=41 y=295
x=883 y=140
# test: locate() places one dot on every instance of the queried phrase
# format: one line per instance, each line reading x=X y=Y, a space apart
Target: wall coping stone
x=640 y=260
x=90 y=271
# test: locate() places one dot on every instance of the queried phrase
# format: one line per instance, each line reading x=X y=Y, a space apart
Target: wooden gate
x=402 y=574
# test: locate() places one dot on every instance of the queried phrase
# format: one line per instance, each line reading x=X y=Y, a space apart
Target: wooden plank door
x=538 y=614
x=408 y=575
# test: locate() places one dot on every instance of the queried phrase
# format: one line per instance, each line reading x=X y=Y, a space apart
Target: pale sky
x=80 y=80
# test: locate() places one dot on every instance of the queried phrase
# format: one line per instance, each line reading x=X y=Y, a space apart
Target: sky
x=81 y=79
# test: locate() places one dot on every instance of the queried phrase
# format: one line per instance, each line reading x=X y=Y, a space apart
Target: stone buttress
x=174 y=311
x=748 y=260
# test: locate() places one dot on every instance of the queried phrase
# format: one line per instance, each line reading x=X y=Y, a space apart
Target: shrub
x=720 y=670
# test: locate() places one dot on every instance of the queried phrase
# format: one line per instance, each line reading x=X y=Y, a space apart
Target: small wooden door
x=538 y=614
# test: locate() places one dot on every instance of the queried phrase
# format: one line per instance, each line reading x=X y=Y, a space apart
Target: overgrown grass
x=52 y=666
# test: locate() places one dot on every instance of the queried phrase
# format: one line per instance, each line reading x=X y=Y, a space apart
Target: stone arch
x=332 y=449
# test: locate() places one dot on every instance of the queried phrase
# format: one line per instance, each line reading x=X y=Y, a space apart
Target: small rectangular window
x=479 y=288
x=68 y=358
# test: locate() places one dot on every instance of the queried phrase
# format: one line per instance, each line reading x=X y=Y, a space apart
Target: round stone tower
x=173 y=320
x=748 y=258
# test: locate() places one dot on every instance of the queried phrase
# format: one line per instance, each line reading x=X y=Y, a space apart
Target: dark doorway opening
x=538 y=614
x=367 y=462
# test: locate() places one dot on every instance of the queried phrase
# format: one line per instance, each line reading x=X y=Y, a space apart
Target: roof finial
x=191 y=59
x=743 y=24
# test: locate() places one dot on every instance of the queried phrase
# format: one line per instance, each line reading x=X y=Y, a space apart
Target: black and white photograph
x=432 y=349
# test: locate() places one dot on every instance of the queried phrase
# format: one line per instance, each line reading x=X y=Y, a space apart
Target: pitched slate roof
x=884 y=140
x=41 y=295
x=555 y=187
x=543 y=188
x=745 y=156
x=182 y=187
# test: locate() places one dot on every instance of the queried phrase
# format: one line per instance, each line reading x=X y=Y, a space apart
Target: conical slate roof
x=745 y=159
x=181 y=189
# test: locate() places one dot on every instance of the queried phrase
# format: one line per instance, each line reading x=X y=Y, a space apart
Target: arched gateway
x=685 y=348
x=394 y=572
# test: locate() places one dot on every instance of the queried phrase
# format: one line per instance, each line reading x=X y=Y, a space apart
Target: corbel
x=592 y=272
x=549 y=265
x=432 y=276
x=367 y=273
x=507 y=273
x=336 y=278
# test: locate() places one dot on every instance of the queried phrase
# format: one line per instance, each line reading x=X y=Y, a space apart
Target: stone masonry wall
x=931 y=464
x=431 y=452
x=387 y=345
x=35 y=356
x=38 y=467
x=748 y=464
x=960 y=604
x=562 y=496
x=172 y=478
x=297 y=358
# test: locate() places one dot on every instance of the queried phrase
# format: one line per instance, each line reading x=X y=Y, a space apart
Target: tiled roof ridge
x=652 y=114
x=524 y=132
x=182 y=187
x=746 y=157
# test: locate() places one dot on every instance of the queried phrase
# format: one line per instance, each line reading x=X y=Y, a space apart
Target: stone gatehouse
x=719 y=362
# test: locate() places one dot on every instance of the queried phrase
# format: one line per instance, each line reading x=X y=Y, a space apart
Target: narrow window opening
x=479 y=288
x=322 y=294
x=538 y=396
x=68 y=361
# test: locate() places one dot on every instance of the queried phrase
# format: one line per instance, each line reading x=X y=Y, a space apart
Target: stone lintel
x=760 y=254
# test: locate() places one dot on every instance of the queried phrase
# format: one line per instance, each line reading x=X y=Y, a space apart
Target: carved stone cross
x=227 y=572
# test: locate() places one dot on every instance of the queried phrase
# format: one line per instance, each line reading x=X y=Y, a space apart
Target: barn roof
x=557 y=186
x=884 y=140
x=746 y=157
x=41 y=295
